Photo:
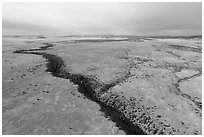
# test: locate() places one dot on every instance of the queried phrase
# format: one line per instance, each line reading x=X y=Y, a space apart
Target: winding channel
x=92 y=89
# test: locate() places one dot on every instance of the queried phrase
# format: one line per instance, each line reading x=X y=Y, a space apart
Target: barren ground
x=56 y=86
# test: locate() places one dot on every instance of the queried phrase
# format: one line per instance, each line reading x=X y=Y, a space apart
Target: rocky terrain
x=101 y=86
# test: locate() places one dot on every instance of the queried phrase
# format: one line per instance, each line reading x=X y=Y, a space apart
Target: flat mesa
x=101 y=85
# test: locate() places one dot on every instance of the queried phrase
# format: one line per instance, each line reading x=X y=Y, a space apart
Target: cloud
x=102 y=18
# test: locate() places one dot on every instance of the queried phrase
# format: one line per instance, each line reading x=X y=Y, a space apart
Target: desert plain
x=101 y=85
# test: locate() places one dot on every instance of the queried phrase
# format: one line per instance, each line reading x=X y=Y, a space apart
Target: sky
x=102 y=18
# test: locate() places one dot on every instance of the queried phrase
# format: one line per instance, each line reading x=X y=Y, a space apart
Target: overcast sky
x=102 y=18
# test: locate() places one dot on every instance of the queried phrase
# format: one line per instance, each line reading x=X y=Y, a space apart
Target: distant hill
x=178 y=37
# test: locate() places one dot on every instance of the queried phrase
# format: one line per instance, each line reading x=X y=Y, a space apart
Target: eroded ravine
x=129 y=114
x=89 y=87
